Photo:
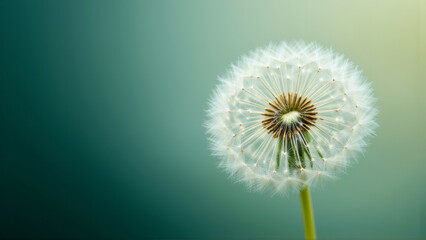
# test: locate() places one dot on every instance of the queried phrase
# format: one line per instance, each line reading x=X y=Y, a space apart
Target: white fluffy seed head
x=269 y=138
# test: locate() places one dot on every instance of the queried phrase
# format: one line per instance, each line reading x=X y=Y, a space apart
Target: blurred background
x=103 y=102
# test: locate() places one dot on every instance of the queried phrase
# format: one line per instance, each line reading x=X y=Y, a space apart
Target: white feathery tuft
x=345 y=116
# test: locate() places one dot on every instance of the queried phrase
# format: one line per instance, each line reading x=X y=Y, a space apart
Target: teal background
x=103 y=102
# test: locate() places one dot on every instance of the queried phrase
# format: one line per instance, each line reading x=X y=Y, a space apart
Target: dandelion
x=289 y=115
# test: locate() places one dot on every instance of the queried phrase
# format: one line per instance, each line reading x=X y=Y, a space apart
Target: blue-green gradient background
x=103 y=102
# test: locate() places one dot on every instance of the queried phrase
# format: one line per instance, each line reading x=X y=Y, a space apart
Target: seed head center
x=289 y=114
x=290 y=117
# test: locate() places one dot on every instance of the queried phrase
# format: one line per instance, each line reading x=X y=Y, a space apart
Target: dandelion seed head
x=281 y=107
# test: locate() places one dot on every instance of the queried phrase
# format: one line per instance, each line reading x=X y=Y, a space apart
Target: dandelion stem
x=308 y=214
x=280 y=146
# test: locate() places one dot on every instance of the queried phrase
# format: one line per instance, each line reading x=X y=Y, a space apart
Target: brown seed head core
x=290 y=115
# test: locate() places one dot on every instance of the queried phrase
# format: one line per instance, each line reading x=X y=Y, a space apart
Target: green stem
x=280 y=146
x=308 y=214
